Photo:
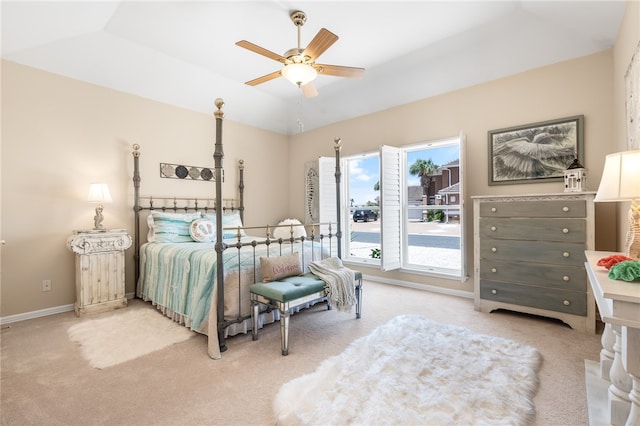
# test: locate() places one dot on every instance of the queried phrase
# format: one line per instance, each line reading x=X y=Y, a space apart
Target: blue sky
x=364 y=172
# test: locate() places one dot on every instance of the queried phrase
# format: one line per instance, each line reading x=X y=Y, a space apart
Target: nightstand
x=99 y=269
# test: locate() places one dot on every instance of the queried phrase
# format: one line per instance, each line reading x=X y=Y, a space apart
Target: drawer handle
x=565 y=230
x=493 y=210
x=565 y=209
x=494 y=291
x=566 y=278
x=494 y=270
x=493 y=228
x=493 y=249
x=565 y=254
x=566 y=302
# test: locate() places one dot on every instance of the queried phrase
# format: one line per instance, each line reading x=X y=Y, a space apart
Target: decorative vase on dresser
x=100 y=276
x=529 y=255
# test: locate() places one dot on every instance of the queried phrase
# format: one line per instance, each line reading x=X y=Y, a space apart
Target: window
x=362 y=235
x=416 y=195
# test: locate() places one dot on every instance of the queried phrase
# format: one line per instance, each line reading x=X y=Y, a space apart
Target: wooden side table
x=100 y=277
x=619 y=305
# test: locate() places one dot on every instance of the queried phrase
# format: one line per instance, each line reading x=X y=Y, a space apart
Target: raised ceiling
x=184 y=53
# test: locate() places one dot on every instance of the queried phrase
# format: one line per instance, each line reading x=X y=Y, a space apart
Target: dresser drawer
x=570 y=254
x=552 y=208
x=572 y=278
x=536 y=297
x=566 y=230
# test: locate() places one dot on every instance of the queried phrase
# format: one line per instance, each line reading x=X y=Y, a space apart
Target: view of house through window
x=421 y=199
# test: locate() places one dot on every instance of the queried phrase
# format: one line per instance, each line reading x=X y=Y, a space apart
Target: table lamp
x=99 y=193
x=621 y=182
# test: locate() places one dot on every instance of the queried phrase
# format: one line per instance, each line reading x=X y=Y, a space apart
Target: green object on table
x=629 y=270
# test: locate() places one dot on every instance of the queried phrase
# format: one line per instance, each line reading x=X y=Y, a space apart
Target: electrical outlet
x=46 y=285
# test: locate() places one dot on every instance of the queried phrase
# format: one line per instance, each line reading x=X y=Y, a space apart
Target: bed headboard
x=149 y=203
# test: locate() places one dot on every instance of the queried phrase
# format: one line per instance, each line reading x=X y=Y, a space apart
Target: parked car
x=364 y=215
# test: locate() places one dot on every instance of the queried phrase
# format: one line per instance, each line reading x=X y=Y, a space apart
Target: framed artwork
x=632 y=101
x=538 y=152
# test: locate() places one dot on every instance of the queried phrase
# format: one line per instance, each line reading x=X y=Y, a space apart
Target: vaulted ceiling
x=183 y=53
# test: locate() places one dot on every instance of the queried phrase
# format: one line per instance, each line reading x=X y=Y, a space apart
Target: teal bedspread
x=180 y=279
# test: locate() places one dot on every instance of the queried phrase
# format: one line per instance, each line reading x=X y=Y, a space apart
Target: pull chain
x=300 y=123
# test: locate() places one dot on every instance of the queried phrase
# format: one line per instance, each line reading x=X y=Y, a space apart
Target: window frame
x=394 y=208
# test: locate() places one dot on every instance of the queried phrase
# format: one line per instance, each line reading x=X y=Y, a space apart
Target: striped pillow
x=173 y=227
x=229 y=220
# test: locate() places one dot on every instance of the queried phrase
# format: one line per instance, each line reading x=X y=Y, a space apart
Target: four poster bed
x=199 y=260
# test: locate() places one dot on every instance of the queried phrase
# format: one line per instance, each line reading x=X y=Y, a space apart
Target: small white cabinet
x=100 y=277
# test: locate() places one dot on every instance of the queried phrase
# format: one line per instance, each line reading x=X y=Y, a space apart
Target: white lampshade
x=299 y=74
x=620 y=178
x=99 y=193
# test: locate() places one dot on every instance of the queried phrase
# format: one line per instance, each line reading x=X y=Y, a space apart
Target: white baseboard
x=426 y=287
x=36 y=314
x=44 y=312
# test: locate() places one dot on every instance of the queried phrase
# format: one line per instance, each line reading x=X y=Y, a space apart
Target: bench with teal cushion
x=287 y=294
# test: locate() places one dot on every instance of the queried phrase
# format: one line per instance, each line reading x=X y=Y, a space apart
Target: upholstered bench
x=287 y=294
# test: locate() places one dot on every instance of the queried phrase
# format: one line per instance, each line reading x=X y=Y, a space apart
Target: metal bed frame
x=219 y=207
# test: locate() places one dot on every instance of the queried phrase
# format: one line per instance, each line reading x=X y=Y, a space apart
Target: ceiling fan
x=299 y=65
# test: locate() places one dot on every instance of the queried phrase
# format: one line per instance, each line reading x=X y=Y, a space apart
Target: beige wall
x=581 y=86
x=59 y=135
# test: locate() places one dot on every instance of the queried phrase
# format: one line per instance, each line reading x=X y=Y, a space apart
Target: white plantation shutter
x=391 y=202
x=328 y=202
x=463 y=221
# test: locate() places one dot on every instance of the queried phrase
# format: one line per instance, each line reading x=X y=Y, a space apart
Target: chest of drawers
x=529 y=255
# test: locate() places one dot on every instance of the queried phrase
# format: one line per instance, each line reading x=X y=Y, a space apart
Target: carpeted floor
x=46 y=380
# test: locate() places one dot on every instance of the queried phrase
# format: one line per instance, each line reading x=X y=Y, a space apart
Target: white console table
x=619 y=305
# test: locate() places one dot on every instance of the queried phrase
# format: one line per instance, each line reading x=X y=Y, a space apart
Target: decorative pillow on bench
x=277 y=267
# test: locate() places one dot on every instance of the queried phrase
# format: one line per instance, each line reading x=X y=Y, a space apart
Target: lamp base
x=98 y=218
x=632 y=243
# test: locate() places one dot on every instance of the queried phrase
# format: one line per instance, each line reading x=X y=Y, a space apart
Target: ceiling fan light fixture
x=299 y=74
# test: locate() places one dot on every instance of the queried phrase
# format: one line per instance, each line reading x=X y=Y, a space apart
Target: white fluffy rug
x=125 y=335
x=415 y=371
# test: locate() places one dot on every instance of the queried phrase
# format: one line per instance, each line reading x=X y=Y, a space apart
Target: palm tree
x=424 y=169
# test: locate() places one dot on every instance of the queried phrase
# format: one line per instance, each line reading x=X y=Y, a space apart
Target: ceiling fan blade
x=261 y=51
x=339 y=71
x=263 y=79
x=320 y=43
x=309 y=90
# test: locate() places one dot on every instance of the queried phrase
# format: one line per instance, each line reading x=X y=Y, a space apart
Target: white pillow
x=186 y=217
x=284 y=232
x=203 y=230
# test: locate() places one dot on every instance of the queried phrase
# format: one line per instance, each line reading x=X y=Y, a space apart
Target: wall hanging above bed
x=179 y=171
